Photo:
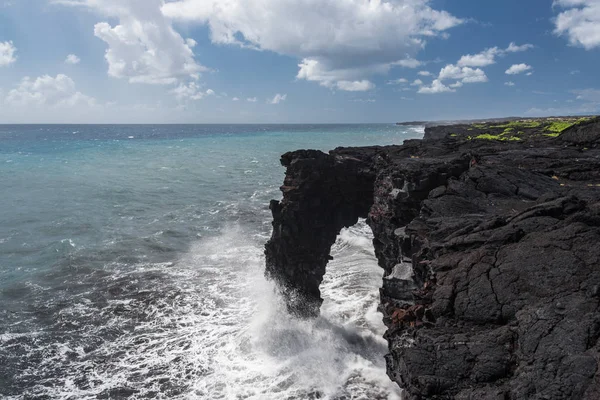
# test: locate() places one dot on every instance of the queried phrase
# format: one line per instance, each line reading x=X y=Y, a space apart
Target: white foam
x=215 y=329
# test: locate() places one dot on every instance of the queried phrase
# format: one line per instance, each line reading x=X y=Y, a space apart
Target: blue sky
x=272 y=61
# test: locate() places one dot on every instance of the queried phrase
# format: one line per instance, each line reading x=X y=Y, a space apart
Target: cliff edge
x=489 y=240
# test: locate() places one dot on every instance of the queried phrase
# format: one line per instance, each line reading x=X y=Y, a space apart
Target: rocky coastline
x=488 y=236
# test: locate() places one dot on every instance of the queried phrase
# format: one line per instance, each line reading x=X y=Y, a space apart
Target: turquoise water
x=131 y=267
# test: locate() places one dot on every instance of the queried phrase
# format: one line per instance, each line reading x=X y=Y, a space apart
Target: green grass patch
x=559 y=126
x=519 y=125
x=501 y=137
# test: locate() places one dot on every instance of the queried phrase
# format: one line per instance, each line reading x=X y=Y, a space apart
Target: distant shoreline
x=484 y=120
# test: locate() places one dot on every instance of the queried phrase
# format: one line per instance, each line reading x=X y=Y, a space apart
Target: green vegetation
x=522 y=129
x=519 y=124
x=501 y=137
x=559 y=126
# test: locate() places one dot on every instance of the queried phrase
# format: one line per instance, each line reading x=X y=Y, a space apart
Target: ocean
x=131 y=267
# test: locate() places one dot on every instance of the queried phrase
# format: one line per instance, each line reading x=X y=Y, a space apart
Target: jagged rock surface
x=490 y=254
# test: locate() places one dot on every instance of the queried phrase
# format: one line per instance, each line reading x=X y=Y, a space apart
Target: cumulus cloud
x=436 y=87
x=488 y=56
x=7 y=53
x=191 y=91
x=47 y=91
x=460 y=74
x=509 y=83
x=235 y=99
x=143 y=47
x=483 y=59
x=72 y=59
x=278 y=98
x=516 y=69
x=424 y=73
x=579 y=21
x=340 y=44
x=252 y=99
x=463 y=74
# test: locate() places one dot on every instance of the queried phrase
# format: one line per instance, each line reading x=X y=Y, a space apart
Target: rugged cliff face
x=490 y=252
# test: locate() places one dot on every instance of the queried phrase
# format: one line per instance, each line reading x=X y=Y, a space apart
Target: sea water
x=131 y=267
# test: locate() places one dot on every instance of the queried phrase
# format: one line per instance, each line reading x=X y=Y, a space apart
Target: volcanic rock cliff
x=489 y=239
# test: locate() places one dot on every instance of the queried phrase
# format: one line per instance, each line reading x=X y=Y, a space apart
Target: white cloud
x=72 y=59
x=355 y=86
x=235 y=99
x=278 y=98
x=191 y=91
x=408 y=63
x=47 y=91
x=514 y=48
x=488 y=56
x=463 y=74
x=529 y=73
x=336 y=41
x=588 y=102
x=7 y=53
x=467 y=70
x=483 y=59
x=424 y=73
x=509 y=83
x=143 y=47
x=436 y=87
x=460 y=75
x=579 y=21
x=399 y=81
x=517 y=69
x=588 y=94
x=417 y=82
x=252 y=99
x=588 y=108
x=364 y=100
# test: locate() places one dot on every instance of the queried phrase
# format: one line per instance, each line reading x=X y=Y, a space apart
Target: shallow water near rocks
x=131 y=266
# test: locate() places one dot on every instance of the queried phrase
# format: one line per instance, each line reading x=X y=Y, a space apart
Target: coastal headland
x=488 y=236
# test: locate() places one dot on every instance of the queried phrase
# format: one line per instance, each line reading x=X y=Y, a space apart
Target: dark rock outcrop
x=490 y=253
x=322 y=194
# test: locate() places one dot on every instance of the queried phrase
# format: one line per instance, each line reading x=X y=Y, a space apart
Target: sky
x=296 y=61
